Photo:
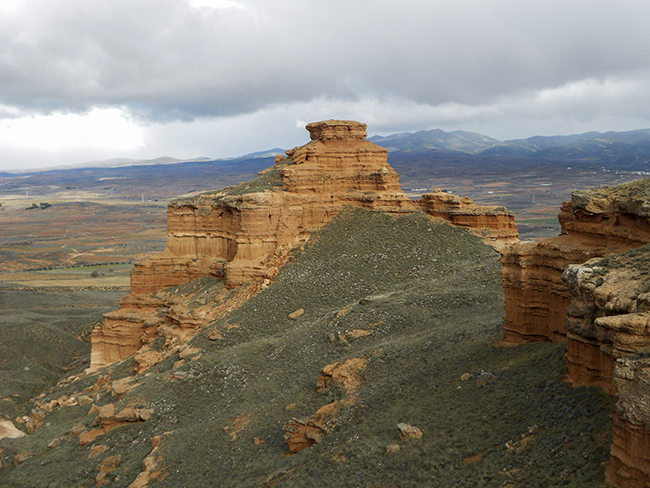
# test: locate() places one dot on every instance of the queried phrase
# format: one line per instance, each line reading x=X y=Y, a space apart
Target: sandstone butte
x=591 y=285
x=244 y=234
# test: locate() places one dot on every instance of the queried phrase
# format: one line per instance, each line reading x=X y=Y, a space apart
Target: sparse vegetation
x=270 y=179
x=430 y=298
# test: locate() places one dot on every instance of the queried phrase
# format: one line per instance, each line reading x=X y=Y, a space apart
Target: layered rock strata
x=245 y=233
x=594 y=223
x=495 y=225
x=237 y=232
x=608 y=317
x=608 y=344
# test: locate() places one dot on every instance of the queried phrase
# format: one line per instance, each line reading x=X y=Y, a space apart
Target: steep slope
x=399 y=318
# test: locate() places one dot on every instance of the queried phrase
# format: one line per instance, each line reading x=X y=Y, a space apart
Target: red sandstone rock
x=151 y=469
x=345 y=372
x=595 y=223
x=108 y=465
x=234 y=232
x=495 y=225
x=244 y=234
x=629 y=465
x=297 y=314
x=606 y=320
x=608 y=331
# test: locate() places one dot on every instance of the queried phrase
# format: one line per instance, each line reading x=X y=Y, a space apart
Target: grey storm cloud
x=165 y=60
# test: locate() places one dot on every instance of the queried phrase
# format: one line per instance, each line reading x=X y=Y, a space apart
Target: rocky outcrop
x=608 y=317
x=495 y=225
x=594 y=223
x=155 y=327
x=629 y=465
x=241 y=232
x=608 y=341
x=9 y=431
x=301 y=434
x=108 y=419
x=244 y=234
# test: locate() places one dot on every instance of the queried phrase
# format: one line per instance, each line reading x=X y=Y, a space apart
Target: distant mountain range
x=614 y=150
x=626 y=151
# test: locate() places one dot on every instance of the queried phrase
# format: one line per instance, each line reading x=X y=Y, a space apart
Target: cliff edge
x=595 y=223
x=608 y=341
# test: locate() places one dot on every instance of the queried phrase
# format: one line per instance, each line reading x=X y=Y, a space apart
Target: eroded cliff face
x=594 y=223
x=629 y=465
x=495 y=225
x=608 y=341
x=244 y=234
x=608 y=317
x=592 y=284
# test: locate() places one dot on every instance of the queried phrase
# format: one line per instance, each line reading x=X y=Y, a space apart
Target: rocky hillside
x=388 y=377
x=244 y=234
x=591 y=285
x=315 y=327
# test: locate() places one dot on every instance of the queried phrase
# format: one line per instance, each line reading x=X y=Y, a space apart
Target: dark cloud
x=166 y=60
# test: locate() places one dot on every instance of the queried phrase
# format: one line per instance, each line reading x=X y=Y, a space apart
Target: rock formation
x=303 y=433
x=245 y=233
x=608 y=332
x=242 y=232
x=605 y=304
x=594 y=223
x=629 y=465
x=495 y=225
x=608 y=317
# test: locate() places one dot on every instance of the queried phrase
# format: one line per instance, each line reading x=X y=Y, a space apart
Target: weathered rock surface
x=108 y=419
x=245 y=233
x=151 y=469
x=9 y=431
x=236 y=233
x=629 y=465
x=303 y=433
x=594 y=223
x=408 y=432
x=608 y=317
x=495 y=225
x=608 y=340
x=108 y=466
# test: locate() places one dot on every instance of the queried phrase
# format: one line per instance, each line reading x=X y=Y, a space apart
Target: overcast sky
x=84 y=80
